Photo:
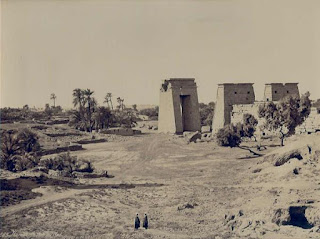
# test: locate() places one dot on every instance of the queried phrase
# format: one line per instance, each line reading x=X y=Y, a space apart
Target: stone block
x=205 y=129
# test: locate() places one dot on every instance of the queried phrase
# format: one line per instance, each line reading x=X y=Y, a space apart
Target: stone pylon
x=229 y=94
x=179 y=106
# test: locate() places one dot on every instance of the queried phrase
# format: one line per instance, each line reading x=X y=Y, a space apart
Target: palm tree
x=78 y=98
x=107 y=99
x=102 y=117
x=94 y=104
x=91 y=102
x=88 y=99
x=134 y=106
x=53 y=97
x=120 y=102
x=77 y=120
x=28 y=140
x=110 y=99
x=18 y=146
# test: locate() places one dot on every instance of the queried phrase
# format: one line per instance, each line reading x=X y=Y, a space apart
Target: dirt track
x=212 y=179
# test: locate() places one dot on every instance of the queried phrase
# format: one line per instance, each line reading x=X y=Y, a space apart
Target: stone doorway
x=186 y=108
x=179 y=107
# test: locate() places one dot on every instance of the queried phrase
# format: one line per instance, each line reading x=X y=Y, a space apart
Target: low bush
x=67 y=163
x=229 y=136
x=152 y=113
x=206 y=113
x=19 y=150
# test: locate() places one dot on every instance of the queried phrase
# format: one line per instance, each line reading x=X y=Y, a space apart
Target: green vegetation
x=206 y=113
x=53 y=97
x=108 y=100
x=67 y=164
x=83 y=117
x=22 y=114
x=232 y=135
x=286 y=115
x=120 y=105
x=152 y=113
x=89 y=116
x=229 y=135
x=316 y=104
x=283 y=116
x=248 y=127
x=19 y=150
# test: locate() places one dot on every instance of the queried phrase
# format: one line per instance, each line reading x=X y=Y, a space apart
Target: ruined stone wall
x=311 y=124
x=239 y=110
x=171 y=117
x=227 y=96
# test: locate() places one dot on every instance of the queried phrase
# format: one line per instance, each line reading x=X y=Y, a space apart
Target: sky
x=128 y=47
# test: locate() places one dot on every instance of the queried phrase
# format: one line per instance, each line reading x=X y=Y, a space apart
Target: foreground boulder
x=306 y=149
x=192 y=136
x=205 y=129
x=282 y=159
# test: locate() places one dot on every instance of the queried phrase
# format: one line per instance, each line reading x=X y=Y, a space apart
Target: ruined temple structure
x=235 y=100
x=179 y=106
x=276 y=91
x=228 y=95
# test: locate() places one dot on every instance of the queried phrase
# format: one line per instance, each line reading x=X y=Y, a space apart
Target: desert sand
x=195 y=190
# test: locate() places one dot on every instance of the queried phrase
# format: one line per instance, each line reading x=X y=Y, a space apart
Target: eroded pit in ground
x=293 y=216
x=298 y=218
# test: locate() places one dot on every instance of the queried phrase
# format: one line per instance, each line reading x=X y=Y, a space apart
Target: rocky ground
x=195 y=190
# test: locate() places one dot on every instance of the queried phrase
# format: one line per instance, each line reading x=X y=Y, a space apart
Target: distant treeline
x=25 y=113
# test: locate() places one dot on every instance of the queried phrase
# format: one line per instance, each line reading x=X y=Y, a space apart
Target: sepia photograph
x=160 y=119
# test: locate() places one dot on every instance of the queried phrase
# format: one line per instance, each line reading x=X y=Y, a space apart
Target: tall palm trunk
x=111 y=104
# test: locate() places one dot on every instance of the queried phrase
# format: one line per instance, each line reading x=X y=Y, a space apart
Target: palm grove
x=20 y=149
x=88 y=115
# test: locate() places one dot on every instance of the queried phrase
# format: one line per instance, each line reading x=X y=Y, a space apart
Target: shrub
x=249 y=125
x=66 y=162
x=206 y=113
x=124 y=119
x=19 y=149
x=152 y=113
x=229 y=136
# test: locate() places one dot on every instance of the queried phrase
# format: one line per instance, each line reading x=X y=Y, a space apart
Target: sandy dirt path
x=215 y=181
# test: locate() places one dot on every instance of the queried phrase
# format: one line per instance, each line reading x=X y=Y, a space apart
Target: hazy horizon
x=128 y=47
